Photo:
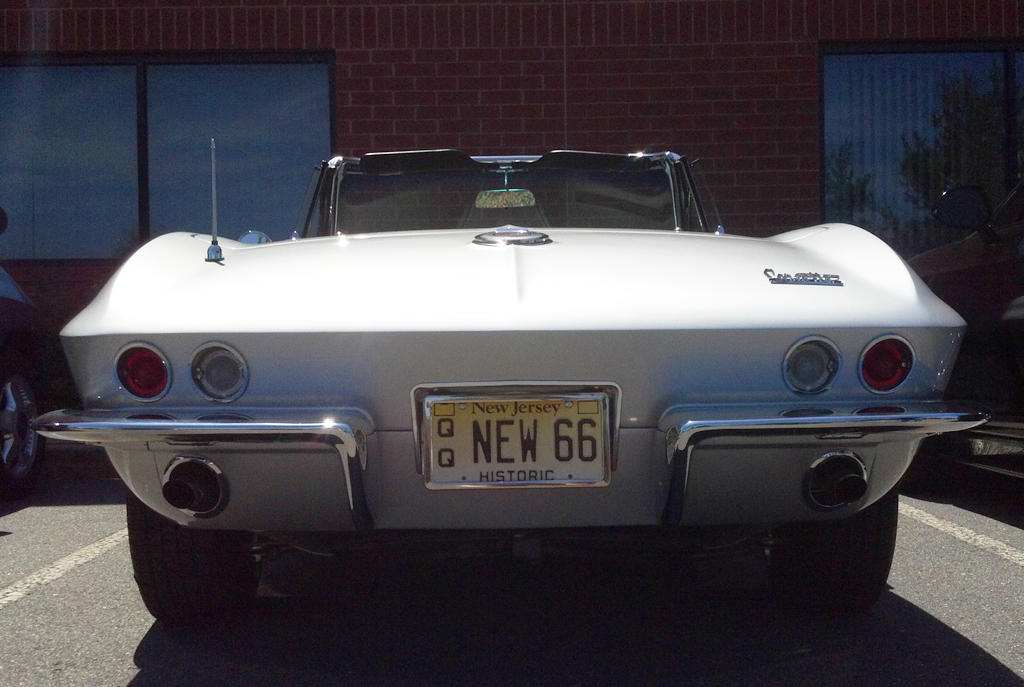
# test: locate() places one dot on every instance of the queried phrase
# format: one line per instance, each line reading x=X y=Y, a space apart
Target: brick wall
x=732 y=81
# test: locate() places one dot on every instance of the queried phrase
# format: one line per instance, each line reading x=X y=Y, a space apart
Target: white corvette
x=547 y=346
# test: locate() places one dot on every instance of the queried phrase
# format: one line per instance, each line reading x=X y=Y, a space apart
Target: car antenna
x=213 y=253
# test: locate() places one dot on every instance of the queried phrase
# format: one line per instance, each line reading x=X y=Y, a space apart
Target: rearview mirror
x=506 y=198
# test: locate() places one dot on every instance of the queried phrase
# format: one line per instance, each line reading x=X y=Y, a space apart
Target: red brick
x=528 y=26
x=724 y=23
x=549 y=26
x=771 y=22
x=416 y=70
x=545 y=96
x=355 y=144
x=372 y=70
x=426 y=27
x=294 y=27
x=1011 y=19
x=501 y=97
x=375 y=126
x=458 y=126
x=620 y=31
x=372 y=97
x=392 y=56
x=457 y=97
x=437 y=112
x=514 y=26
x=393 y=142
x=75 y=35
x=416 y=126
x=348 y=28
x=400 y=110
x=521 y=54
x=449 y=27
x=418 y=98
x=481 y=112
x=397 y=84
x=811 y=21
x=543 y=68
x=960 y=21
x=353 y=56
x=397 y=23
x=193 y=28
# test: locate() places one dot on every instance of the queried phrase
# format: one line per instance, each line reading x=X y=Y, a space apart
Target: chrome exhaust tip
x=195 y=485
x=836 y=479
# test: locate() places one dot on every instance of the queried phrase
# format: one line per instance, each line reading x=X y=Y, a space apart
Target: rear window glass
x=478 y=199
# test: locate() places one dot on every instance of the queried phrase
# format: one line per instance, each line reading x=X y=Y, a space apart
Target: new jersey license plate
x=507 y=441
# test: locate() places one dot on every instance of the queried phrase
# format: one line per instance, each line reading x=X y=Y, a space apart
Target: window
x=95 y=159
x=68 y=162
x=271 y=128
x=900 y=128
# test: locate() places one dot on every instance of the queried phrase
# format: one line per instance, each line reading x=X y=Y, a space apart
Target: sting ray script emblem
x=805 y=278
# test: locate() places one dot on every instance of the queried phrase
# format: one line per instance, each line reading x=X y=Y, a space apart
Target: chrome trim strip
x=511 y=235
x=113 y=427
x=922 y=418
x=344 y=430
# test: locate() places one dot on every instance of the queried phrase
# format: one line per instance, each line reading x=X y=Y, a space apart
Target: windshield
x=496 y=196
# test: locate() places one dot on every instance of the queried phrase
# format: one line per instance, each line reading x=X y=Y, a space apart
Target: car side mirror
x=3 y=220
x=965 y=207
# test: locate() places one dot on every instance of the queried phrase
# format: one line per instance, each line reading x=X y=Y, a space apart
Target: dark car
x=982 y=277
x=20 y=385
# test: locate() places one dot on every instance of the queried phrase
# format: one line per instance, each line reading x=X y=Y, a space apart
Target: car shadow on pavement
x=512 y=621
x=72 y=475
x=993 y=495
x=63 y=490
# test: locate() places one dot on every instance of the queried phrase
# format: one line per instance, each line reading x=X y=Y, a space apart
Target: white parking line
x=22 y=588
x=965 y=535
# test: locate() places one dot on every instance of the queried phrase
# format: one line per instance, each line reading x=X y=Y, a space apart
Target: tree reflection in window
x=902 y=128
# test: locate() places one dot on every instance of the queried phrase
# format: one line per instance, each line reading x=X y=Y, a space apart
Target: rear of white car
x=512 y=379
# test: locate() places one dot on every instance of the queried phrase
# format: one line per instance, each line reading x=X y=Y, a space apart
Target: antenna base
x=214 y=254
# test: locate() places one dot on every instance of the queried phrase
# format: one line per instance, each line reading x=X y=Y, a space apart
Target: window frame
x=141 y=61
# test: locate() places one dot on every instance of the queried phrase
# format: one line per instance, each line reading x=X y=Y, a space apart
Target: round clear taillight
x=811 y=365
x=219 y=372
x=886 y=363
x=143 y=372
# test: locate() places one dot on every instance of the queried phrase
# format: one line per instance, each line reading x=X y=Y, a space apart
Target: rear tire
x=837 y=566
x=187 y=576
x=21 y=448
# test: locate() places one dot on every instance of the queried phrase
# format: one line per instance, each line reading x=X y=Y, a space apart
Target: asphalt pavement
x=70 y=613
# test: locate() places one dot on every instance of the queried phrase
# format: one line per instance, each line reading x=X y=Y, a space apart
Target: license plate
x=509 y=441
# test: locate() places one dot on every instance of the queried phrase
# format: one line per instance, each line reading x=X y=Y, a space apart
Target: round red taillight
x=886 y=364
x=143 y=372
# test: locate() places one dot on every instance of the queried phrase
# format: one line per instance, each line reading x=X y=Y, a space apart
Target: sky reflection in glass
x=68 y=162
x=272 y=127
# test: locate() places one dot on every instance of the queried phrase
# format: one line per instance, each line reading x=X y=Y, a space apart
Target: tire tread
x=187 y=576
x=837 y=566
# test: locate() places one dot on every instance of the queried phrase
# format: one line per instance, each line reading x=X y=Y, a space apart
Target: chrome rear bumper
x=310 y=469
